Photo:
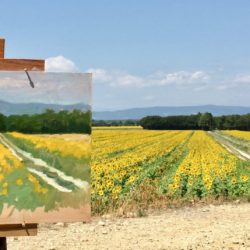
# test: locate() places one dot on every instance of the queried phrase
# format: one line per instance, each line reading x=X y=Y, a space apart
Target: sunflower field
x=136 y=165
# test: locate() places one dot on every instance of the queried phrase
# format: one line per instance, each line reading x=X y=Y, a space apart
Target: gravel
x=225 y=226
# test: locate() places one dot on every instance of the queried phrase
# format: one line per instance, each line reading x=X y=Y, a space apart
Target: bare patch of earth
x=239 y=148
x=226 y=226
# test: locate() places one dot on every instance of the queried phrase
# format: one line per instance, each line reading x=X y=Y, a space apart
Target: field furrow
x=233 y=145
x=39 y=164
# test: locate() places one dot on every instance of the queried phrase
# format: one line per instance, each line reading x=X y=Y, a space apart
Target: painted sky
x=142 y=53
x=50 y=87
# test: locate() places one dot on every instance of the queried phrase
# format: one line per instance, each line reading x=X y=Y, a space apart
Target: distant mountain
x=8 y=108
x=138 y=113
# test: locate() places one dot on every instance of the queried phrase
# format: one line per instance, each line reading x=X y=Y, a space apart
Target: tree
x=2 y=123
x=152 y=122
x=206 y=121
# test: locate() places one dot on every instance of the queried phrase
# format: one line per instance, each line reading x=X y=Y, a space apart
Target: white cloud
x=235 y=82
x=115 y=78
x=100 y=74
x=183 y=77
x=149 y=98
x=242 y=79
x=119 y=78
x=199 y=75
x=223 y=87
x=60 y=64
x=129 y=80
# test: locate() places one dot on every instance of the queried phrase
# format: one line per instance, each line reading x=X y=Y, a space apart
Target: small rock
x=106 y=216
x=101 y=223
x=205 y=210
x=60 y=224
x=130 y=215
x=236 y=242
x=125 y=223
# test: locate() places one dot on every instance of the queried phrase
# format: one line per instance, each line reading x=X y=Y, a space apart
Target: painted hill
x=8 y=108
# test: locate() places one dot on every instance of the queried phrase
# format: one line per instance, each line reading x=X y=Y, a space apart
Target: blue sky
x=142 y=53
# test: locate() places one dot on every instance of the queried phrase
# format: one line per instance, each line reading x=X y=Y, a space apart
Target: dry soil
x=225 y=226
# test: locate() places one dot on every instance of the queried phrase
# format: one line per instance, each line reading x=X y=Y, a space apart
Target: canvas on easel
x=45 y=126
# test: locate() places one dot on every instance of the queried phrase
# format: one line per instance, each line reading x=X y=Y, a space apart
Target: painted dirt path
x=40 y=168
x=209 y=227
x=239 y=148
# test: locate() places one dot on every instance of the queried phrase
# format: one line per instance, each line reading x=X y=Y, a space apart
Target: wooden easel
x=17 y=65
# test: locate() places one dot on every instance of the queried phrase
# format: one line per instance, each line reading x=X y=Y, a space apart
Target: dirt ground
x=225 y=226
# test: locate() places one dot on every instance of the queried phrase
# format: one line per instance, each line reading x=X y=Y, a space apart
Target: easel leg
x=3 y=243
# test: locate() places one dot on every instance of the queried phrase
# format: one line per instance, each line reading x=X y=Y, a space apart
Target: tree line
x=109 y=123
x=204 y=121
x=49 y=122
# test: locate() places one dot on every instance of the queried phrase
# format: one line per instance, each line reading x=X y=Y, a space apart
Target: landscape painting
x=45 y=127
